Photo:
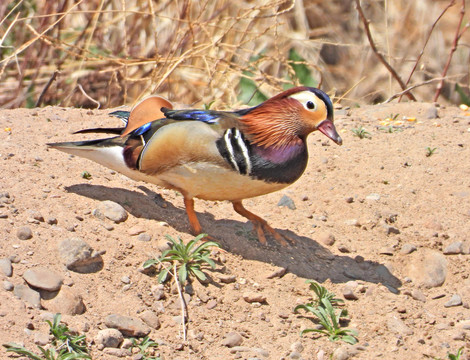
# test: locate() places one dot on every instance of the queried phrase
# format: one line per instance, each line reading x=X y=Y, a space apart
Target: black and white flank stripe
x=235 y=150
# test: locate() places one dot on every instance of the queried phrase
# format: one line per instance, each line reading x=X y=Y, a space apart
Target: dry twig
x=377 y=53
x=458 y=35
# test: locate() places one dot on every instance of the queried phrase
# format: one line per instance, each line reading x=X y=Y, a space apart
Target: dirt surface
x=376 y=197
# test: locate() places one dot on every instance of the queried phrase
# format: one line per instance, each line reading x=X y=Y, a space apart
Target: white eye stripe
x=307 y=99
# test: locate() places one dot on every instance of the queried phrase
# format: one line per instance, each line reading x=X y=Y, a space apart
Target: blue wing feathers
x=207 y=116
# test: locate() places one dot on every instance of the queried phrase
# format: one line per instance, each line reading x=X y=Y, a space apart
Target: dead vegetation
x=105 y=53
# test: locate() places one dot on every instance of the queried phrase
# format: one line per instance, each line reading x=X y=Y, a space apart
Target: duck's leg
x=196 y=228
x=260 y=225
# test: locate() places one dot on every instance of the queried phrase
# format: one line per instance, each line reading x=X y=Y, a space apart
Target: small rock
x=455 y=300
x=344 y=249
x=344 y=352
x=52 y=221
x=427 y=268
x=211 y=304
x=158 y=291
x=109 y=338
x=295 y=355
x=391 y=230
x=353 y=222
x=386 y=251
x=79 y=256
x=431 y=113
x=27 y=294
x=126 y=344
x=36 y=215
x=41 y=339
x=8 y=286
x=251 y=297
x=24 y=233
x=454 y=248
x=279 y=272
x=232 y=339
x=67 y=302
x=373 y=197
x=125 y=280
x=113 y=211
x=327 y=238
x=349 y=199
x=151 y=319
x=136 y=230
x=144 y=237
x=397 y=326
x=297 y=347
x=5 y=267
x=122 y=353
x=407 y=249
x=129 y=326
x=418 y=295
x=227 y=279
x=287 y=201
x=43 y=278
x=459 y=336
x=349 y=294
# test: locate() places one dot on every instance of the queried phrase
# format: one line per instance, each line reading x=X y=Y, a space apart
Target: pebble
x=52 y=221
x=431 y=113
x=129 y=326
x=455 y=300
x=8 y=286
x=79 y=256
x=41 y=339
x=5 y=267
x=344 y=249
x=122 y=353
x=418 y=295
x=111 y=210
x=211 y=304
x=232 y=339
x=126 y=280
x=158 y=291
x=397 y=326
x=407 y=249
x=353 y=222
x=109 y=338
x=144 y=237
x=260 y=351
x=297 y=347
x=24 y=233
x=136 y=230
x=227 y=279
x=251 y=297
x=43 y=278
x=151 y=319
x=373 y=197
x=454 y=248
x=287 y=202
x=344 y=352
x=349 y=294
x=326 y=238
x=36 y=215
x=427 y=268
x=386 y=251
x=67 y=302
x=278 y=273
x=28 y=295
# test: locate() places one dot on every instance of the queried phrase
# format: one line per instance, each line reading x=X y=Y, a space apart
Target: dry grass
x=91 y=53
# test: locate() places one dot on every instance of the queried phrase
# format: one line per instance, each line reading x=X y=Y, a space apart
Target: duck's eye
x=310 y=105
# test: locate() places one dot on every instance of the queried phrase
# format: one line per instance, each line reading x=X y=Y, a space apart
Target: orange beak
x=327 y=128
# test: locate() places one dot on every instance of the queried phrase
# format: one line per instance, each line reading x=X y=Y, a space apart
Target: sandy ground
x=376 y=197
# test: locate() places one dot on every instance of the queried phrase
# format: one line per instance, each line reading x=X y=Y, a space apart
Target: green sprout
x=361 y=132
x=187 y=258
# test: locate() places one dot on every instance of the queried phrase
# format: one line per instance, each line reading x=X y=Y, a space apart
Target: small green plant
x=322 y=293
x=390 y=129
x=187 y=258
x=86 y=175
x=361 y=132
x=328 y=317
x=456 y=356
x=430 y=151
x=66 y=346
x=144 y=345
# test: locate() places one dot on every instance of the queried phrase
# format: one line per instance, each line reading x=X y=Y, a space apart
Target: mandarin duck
x=215 y=155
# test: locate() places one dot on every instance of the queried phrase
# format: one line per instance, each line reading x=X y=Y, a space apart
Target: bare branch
x=458 y=35
x=377 y=53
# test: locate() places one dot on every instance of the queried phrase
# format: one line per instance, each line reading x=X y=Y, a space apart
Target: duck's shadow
x=306 y=258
